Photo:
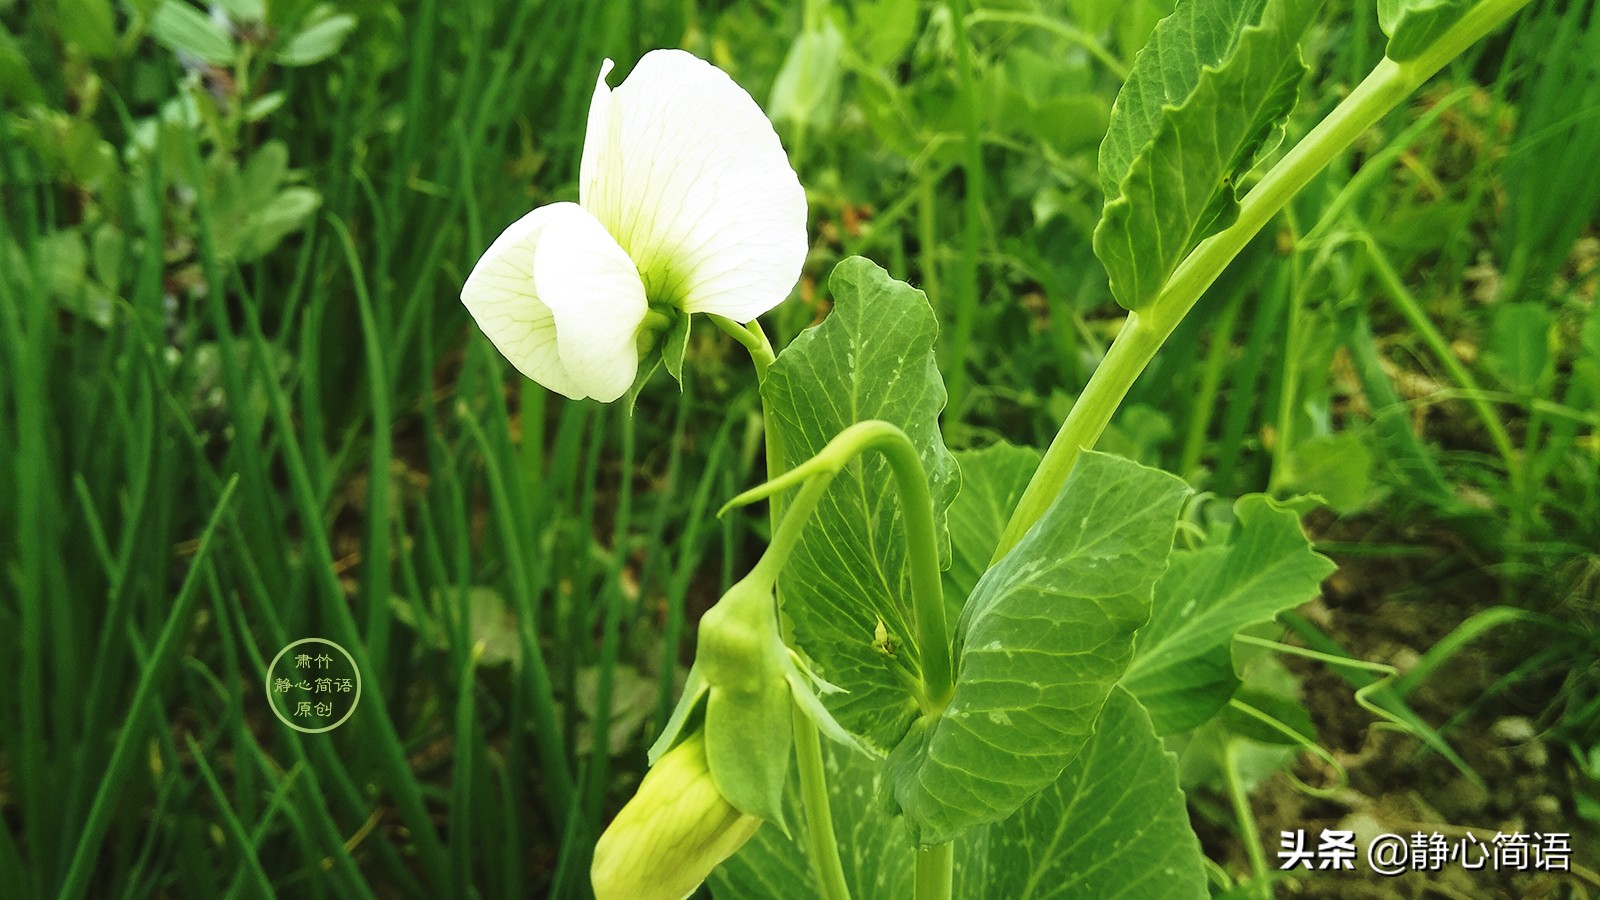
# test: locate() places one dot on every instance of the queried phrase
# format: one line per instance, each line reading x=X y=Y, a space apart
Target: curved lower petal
x=684 y=169
x=501 y=297
x=594 y=294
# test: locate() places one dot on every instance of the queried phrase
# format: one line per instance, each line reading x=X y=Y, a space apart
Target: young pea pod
x=674 y=831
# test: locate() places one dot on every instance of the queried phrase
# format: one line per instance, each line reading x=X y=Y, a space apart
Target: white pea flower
x=686 y=204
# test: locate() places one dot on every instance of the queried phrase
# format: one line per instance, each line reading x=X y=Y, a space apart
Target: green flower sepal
x=744 y=686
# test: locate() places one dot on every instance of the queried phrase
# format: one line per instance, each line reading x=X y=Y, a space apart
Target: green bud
x=749 y=726
x=675 y=830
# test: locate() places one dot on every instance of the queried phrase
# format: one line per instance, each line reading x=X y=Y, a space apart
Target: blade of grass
x=966 y=280
x=76 y=883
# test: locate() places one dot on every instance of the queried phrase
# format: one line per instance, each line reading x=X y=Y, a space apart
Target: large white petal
x=685 y=171
x=501 y=297
x=596 y=297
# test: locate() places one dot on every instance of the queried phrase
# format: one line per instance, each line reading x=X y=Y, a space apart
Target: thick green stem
x=922 y=549
x=822 y=844
x=1383 y=89
x=1133 y=349
x=935 y=871
x=787 y=534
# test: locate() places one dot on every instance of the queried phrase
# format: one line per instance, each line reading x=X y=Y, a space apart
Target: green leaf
x=992 y=481
x=675 y=345
x=1205 y=99
x=179 y=26
x=1336 y=467
x=1519 y=346
x=90 y=24
x=63 y=261
x=108 y=247
x=17 y=82
x=872 y=358
x=493 y=628
x=264 y=173
x=806 y=89
x=264 y=106
x=1045 y=636
x=1182 y=669
x=874 y=848
x=244 y=10
x=320 y=36
x=1114 y=824
x=286 y=213
x=884 y=29
x=1412 y=25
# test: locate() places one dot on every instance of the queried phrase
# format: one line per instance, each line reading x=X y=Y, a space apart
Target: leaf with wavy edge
x=872 y=358
x=1182 y=668
x=1204 y=101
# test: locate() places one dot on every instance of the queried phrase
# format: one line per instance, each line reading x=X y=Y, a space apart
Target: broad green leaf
x=1182 y=668
x=1113 y=825
x=992 y=481
x=1519 y=347
x=1206 y=96
x=1414 y=24
x=179 y=26
x=872 y=358
x=1136 y=19
x=63 y=260
x=320 y=36
x=1139 y=432
x=493 y=628
x=1042 y=640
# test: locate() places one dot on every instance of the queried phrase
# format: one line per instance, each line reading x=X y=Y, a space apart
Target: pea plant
x=994 y=644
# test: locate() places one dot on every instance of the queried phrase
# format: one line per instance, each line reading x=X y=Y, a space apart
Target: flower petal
x=685 y=171
x=672 y=834
x=596 y=297
x=501 y=297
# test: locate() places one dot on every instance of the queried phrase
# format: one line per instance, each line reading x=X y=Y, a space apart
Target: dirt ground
x=1392 y=609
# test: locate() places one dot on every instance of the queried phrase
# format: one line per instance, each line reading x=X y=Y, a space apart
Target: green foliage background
x=240 y=403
